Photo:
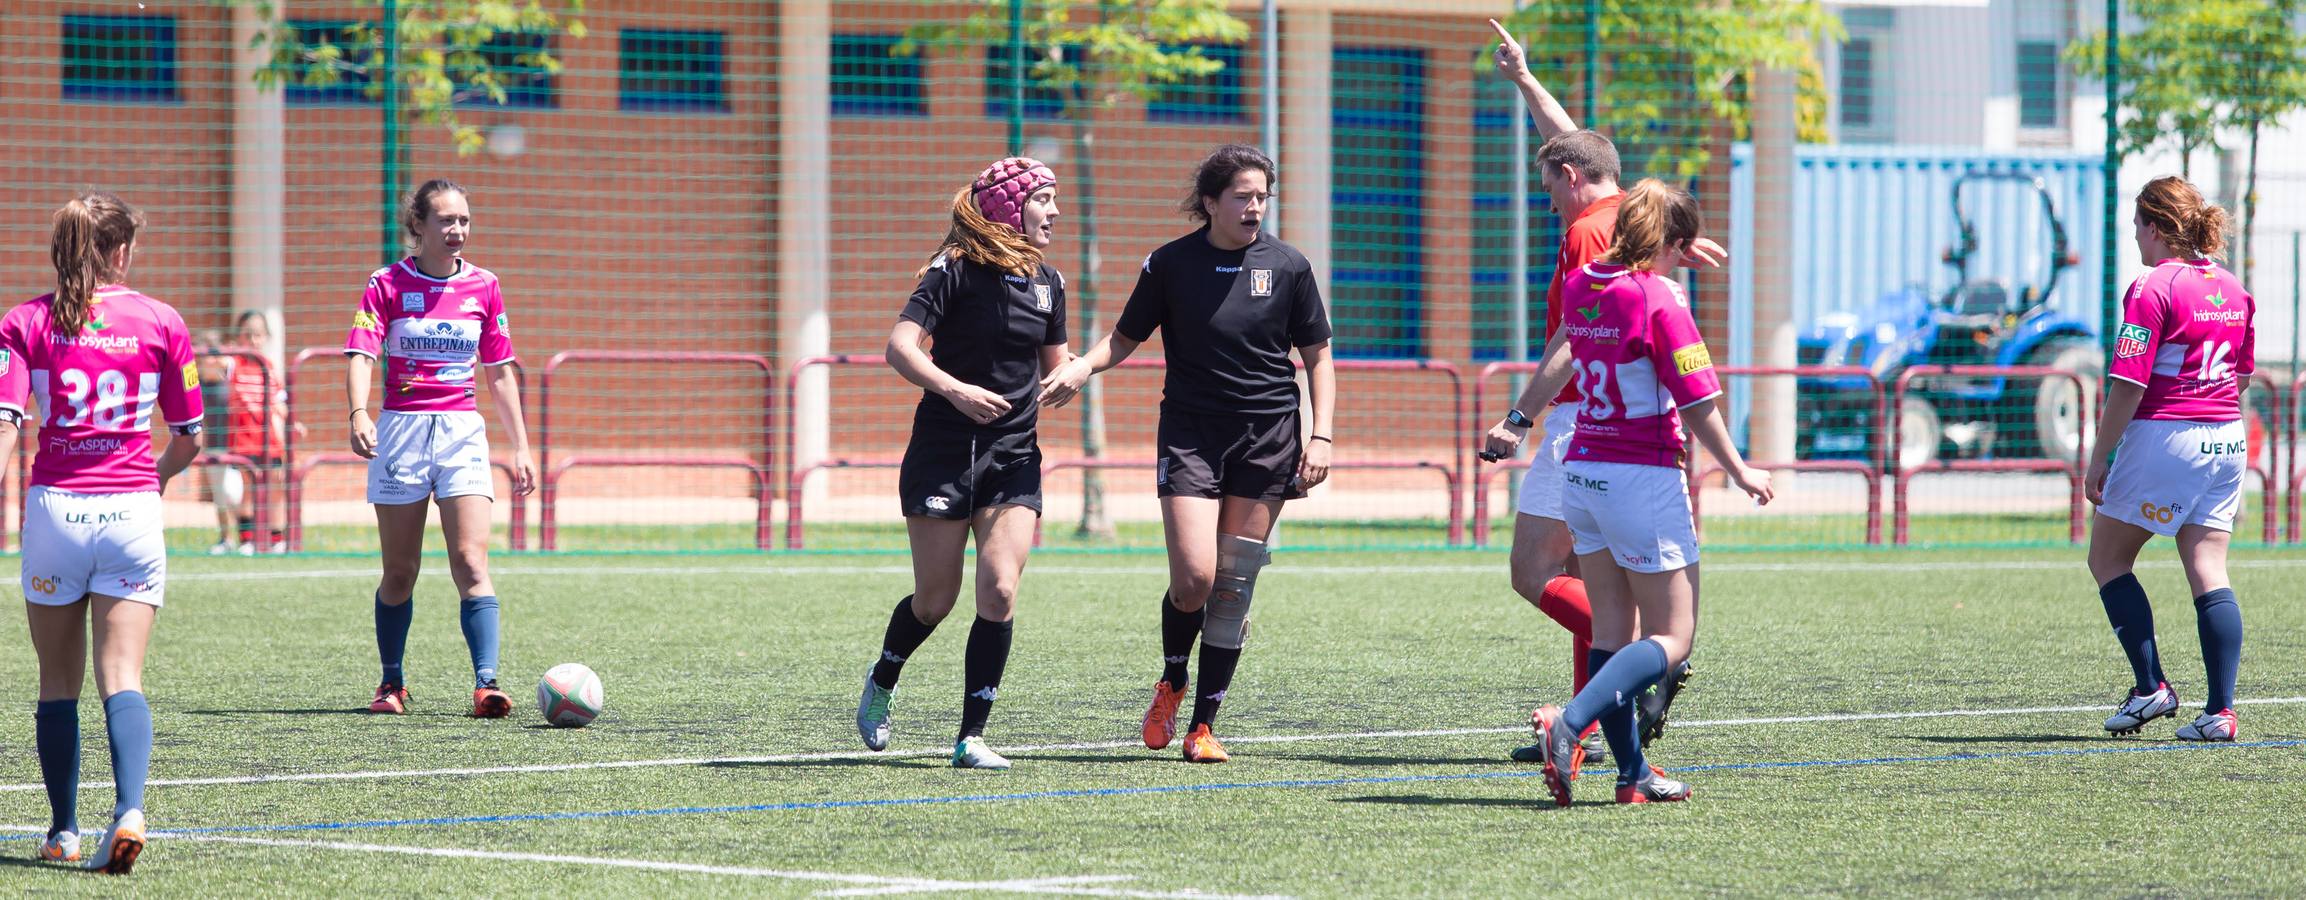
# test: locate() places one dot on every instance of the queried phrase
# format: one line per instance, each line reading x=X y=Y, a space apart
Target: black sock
x=905 y=634
x=981 y=672
x=1216 y=675
x=1178 y=629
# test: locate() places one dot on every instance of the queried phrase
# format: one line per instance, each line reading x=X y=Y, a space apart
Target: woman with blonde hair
x=987 y=319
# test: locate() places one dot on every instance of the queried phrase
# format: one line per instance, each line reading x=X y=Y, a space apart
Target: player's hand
x=1755 y=482
x=1503 y=442
x=1512 y=61
x=363 y=436
x=1062 y=383
x=523 y=474
x=2094 y=484
x=1704 y=253
x=1313 y=469
x=980 y=405
x=301 y=431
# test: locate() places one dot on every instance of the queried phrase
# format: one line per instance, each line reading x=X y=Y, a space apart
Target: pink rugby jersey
x=96 y=392
x=431 y=332
x=2186 y=336
x=1639 y=361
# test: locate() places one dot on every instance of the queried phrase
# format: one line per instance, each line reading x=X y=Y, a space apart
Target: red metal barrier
x=550 y=469
x=259 y=472
x=1901 y=478
x=795 y=522
x=1871 y=470
x=2289 y=423
x=298 y=470
x=1478 y=435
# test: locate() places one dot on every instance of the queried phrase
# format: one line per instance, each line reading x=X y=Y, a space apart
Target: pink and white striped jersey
x=96 y=391
x=1639 y=361
x=430 y=333
x=2187 y=336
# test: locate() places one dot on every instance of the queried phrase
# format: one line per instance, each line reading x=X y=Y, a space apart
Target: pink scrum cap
x=1002 y=188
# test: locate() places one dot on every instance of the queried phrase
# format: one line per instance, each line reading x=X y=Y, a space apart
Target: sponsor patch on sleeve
x=2131 y=341
x=503 y=324
x=1692 y=358
x=191 y=377
x=365 y=321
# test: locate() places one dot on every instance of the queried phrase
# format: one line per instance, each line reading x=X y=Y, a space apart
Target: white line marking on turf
x=1059 y=748
x=874 y=884
x=529 y=568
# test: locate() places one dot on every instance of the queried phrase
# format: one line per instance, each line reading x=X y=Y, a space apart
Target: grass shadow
x=905 y=762
x=1340 y=759
x=335 y=711
x=2011 y=739
x=1430 y=800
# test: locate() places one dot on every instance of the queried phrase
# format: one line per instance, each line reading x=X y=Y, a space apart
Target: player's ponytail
x=1652 y=216
x=2193 y=226
x=983 y=241
x=88 y=230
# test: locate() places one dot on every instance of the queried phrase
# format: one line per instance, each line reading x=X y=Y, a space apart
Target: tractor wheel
x=2046 y=413
x=1919 y=433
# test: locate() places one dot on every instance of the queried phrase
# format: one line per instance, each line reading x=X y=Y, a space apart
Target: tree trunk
x=1096 y=522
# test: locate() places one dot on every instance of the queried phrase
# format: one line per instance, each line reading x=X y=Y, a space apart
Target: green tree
x=1671 y=72
x=2198 y=69
x=1093 y=54
x=448 y=52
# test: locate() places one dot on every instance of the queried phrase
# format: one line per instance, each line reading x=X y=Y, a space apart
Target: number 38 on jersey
x=102 y=400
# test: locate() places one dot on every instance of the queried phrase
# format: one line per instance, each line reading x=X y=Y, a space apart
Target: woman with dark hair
x=100 y=359
x=431 y=317
x=991 y=313
x=1231 y=301
x=2183 y=356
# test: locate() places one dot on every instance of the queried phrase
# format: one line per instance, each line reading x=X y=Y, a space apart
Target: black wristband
x=1321 y=437
x=1517 y=419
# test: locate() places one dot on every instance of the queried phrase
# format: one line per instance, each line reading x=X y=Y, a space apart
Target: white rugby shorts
x=2168 y=474
x=1639 y=513
x=1541 y=485
x=80 y=544
x=430 y=454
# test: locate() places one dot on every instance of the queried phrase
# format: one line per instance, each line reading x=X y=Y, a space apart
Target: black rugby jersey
x=1228 y=319
x=988 y=328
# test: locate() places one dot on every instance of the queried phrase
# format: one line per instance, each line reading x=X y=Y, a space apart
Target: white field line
x=876 y=884
x=1059 y=748
x=530 y=568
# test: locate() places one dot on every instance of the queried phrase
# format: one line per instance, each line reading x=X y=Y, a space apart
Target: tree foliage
x=1095 y=53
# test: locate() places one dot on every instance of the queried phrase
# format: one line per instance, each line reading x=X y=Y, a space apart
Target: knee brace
x=1238 y=561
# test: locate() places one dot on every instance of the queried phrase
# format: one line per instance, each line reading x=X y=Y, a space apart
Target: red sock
x=1564 y=601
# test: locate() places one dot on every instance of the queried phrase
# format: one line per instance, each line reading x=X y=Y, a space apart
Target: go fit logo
x=42 y=585
x=2160 y=514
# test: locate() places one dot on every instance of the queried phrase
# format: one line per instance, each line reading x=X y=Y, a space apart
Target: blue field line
x=1181 y=789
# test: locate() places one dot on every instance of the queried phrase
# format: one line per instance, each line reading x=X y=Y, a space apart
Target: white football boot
x=2218 y=726
x=2140 y=709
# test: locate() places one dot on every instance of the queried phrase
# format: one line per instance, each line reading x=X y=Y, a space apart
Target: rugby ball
x=569 y=696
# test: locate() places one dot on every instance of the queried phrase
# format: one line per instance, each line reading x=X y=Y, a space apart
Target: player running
x=1640 y=364
x=1579 y=172
x=97 y=357
x=428 y=319
x=993 y=314
x=1230 y=301
x=2183 y=357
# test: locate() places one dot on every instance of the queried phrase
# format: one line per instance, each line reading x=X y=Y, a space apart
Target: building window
x=670 y=70
x=1377 y=186
x=516 y=60
x=1041 y=100
x=1862 y=83
x=2039 y=98
x=1495 y=103
x=124 y=58
x=870 y=79
x=1857 y=88
x=1211 y=98
x=345 y=53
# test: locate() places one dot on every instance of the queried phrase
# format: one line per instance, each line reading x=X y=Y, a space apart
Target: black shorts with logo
x=951 y=473
x=1253 y=456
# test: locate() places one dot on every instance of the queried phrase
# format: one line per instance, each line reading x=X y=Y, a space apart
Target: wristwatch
x=1514 y=418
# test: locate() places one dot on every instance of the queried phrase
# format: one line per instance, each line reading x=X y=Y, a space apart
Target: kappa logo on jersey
x=471 y=305
x=1041 y=299
x=366 y=321
x=1692 y=358
x=412 y=301
x=1261 y=282
x=2131 y=341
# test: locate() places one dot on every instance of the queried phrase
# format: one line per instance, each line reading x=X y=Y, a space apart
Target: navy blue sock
x=56 y=732
x=2133 y=620
x=128 y=723
x=392 y=636
x=1631 y=671
x=478 y=617
x=2218 y=619
x=988 y=655
x=1617 y=726
x=905 y=633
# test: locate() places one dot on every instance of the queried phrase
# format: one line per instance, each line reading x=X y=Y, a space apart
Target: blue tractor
x=1981 y=321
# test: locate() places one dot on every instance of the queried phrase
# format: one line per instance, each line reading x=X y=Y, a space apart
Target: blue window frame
x=512 y=56
x=1376 y=196
x=120 y=58
x=870 y=79
x=1495 y=103
x=683 y=71
x=352 y=79
x=1214 y=98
